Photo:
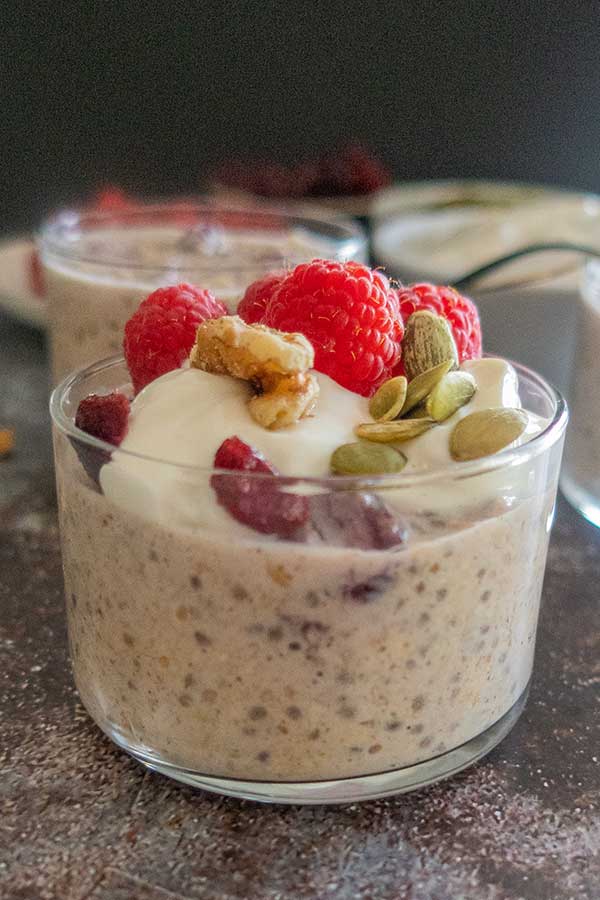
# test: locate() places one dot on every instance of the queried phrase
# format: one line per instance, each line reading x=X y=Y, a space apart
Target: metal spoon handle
x=474 y=275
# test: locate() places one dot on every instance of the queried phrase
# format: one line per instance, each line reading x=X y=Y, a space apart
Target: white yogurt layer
x=184 y=417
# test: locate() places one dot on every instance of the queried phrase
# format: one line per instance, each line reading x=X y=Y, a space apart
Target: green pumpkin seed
x=362 y=458
x=388 y=400
x=428 y=341
x=399 y=430
x=453 y=391
x=418 y=412
x=486 y=432
x=422 y=385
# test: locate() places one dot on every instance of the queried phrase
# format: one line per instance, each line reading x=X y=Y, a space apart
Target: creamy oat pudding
x=304 y=545
x=98 y=264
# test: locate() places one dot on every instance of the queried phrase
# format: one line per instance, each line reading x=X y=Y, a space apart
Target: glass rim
x=344 y=230
x=455 y=470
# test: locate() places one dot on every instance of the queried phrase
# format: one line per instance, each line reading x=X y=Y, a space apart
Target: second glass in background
x=580 y=479
x=98 y=266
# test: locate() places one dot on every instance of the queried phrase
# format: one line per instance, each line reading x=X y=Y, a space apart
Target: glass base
x=585 y=502
x=345 y=790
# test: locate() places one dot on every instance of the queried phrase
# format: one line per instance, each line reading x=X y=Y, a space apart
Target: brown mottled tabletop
x=81 y=821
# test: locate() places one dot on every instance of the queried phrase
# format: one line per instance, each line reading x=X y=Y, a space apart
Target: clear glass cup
x=99 y=265
x=580 y=476
x=386 y=642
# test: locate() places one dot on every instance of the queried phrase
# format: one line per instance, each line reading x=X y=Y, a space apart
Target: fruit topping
x=460 y=313
x=103 y=416
x=349 y=313
x=111 y=198
x=161 y=333
x=235 y=454
x=253 y=304
x=352 y=519
x=350 y=170
x=336 y=518
x=277 y=365
x=261 y=503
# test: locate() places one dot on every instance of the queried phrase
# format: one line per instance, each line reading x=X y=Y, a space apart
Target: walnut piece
x=276 y=363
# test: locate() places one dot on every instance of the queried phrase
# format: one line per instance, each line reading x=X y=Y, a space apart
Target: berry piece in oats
x=352 y=519
x=236 y=454
x=103 y=416
x=261 y=503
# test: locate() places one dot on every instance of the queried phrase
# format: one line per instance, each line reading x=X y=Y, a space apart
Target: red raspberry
x=112 y=199
x=253 y=304
x=353 y=170
x=36 y=279
x=105 y=417
x=259 y=503
x=235 y=454
x=460 y=312
x=349 y=313
x=162 y=331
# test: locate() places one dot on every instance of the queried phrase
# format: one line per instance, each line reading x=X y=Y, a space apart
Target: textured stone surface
x=79 y=819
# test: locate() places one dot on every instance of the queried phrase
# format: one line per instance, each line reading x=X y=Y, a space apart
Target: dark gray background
x=152 y=96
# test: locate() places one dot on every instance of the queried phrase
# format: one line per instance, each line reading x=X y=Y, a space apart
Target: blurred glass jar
x=580 y=479
x=98 y=266
x=442 y=230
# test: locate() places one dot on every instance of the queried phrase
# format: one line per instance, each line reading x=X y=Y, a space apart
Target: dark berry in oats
x=261 y=503
x=369 y=590
x=350 y=519
x=105 y=417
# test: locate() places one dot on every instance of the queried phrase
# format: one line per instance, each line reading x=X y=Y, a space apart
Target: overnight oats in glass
x=580 y=477
x=304 y=563
x=99 y=264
